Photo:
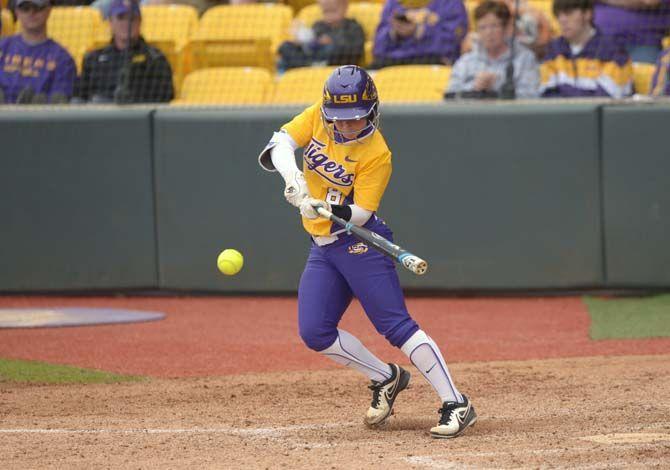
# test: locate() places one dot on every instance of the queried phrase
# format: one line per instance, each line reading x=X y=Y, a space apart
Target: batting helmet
x=349 y=94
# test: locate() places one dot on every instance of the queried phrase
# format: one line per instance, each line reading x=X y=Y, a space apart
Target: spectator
x=639 y=25
x=482 y=72
x=533 y=28
x=128 y=70
x=660 y=82
x=584 y=62
x=428 y=32
x=34 y=68
x=334 y=40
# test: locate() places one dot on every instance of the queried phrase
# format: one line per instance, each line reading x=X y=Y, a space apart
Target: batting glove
x=308 y=207
x=296 y=189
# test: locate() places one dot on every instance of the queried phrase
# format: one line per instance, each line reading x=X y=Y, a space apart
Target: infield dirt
x=590 y=413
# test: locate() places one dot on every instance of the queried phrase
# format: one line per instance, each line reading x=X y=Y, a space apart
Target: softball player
x=347 y=166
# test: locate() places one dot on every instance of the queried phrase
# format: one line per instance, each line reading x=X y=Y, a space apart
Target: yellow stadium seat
x=470 y=6
x=642 y=75
x=168 y=27
x=300 y=86
x=299 y=5
x=368 y=15
x=309 y=14
x=75 y=28
x=7 y=23
x=412 y=83
x=235 y=35
x=546 y=7
x=226 y=86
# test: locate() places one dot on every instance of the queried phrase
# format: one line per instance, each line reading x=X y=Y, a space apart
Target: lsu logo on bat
x=341 y=99
x=319 y=162
x=357 y=248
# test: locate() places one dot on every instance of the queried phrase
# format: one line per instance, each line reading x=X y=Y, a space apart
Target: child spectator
x=533 y=28
x=660 y=82
x=333 y=40
x=420 y=32
x=584 y=62
x=114 y=74
x=34 y=68
x=482 y=72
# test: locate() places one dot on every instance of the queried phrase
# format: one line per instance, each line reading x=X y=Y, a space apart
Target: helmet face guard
x=349 y=94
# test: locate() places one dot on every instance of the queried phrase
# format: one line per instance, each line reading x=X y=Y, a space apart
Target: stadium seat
x=236 y=35
x=470 y=6
x=168 y=27
x=75 y=28
x=226 y=86
x=300 y=86
x=7 y=23
x=642 y=75
x=546 y=7
x=310 y=14
x=412 y=83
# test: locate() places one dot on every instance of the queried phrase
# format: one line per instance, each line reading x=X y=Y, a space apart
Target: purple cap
x=39 y=3
x=121 y=7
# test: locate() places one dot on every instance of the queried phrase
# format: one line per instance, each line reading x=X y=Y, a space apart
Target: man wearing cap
x=34 y=68
x=128 y=70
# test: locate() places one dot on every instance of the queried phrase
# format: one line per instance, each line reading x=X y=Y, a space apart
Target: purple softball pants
x=335 y=273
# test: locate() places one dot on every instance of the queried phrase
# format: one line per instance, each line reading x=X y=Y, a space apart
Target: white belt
x=327 y=239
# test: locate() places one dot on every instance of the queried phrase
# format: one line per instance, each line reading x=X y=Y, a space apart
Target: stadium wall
x=494 y=196
x=76 y=205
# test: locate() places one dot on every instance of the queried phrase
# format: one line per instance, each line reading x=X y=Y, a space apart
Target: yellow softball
x=230 y=262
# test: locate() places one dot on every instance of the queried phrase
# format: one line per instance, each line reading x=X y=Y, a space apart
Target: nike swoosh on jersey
x=348 y=159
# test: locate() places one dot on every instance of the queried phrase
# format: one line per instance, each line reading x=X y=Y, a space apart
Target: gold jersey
x=355 y=173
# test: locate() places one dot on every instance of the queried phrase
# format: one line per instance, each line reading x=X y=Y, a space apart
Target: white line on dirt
x=252 y=432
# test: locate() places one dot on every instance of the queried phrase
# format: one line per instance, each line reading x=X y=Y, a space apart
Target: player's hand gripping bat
x=381 y=244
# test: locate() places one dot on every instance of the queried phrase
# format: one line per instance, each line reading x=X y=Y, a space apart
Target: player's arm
x=279 y=155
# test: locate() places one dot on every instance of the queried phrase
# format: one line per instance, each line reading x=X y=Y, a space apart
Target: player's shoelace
x=445 y=413
x=376 y=388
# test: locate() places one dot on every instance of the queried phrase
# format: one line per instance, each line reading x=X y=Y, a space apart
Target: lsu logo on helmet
x=357 y=248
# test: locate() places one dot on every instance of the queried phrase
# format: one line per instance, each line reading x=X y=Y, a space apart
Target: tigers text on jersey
x=339 y=174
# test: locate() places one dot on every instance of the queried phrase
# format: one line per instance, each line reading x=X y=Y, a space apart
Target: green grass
x=647 y=317
x=12 y=370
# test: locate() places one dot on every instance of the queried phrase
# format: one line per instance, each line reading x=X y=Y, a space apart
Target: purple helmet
x=348 y=94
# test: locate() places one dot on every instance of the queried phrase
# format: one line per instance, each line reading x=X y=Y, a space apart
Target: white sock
x=426 y=356
x=349 y=351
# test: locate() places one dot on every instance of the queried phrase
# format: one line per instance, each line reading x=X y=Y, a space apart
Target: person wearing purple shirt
x=34 y=68
x=639 y=25
x=420 y=32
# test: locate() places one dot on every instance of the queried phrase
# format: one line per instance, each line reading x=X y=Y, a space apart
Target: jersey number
x=333 y=196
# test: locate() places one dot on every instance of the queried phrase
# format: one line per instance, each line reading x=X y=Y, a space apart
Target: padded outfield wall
x=540 y=196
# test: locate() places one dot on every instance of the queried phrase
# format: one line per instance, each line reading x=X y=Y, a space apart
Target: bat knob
x=415 y=264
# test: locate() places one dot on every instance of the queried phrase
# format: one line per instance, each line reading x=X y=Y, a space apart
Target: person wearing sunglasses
x=34 y=69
